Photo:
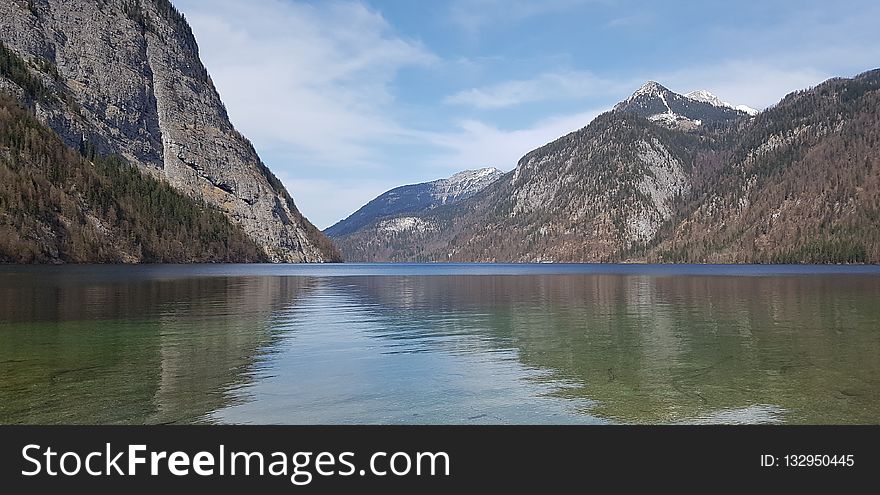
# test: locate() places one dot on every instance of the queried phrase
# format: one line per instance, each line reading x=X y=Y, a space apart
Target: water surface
x=431 y=344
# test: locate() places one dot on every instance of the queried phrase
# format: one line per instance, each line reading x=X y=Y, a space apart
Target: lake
x=439 y=344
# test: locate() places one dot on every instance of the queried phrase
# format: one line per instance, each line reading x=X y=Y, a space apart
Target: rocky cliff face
x=125 y=77
x=60 y=205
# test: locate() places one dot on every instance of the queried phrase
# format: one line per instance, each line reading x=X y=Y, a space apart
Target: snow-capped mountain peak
x=747 y=109
x=464 y=183
x=707 y=97
x=414 y=200
x=471 y=175
x=655 y=102
x=650 y=88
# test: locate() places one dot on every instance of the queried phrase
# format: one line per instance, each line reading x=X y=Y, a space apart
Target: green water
x=434 y=344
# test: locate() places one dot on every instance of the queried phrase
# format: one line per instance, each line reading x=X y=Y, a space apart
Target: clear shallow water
x=439 y=344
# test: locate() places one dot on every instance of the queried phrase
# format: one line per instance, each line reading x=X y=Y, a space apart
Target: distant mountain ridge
x=707 y=97
x=796 y=183
x=416 y=198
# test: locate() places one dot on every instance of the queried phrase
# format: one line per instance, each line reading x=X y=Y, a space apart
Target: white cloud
x=747 y=82
x=733 y=80
x=762 y=81
x=562 y=85
x=474 y=15
x=326 y=201
x=806 y=47
x=309 y=77
x=637 y=20
x=478 y=144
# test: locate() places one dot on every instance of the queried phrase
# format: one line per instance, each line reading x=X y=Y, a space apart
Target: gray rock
x=133 y=85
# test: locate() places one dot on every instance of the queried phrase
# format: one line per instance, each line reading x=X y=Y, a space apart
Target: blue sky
x=346 y=99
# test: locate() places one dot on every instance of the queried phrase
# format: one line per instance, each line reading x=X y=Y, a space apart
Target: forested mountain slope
x=125 y=76
x=62 y=205
x=799 y=182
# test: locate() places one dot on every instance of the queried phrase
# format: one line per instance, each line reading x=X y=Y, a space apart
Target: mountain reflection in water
x=257 y=344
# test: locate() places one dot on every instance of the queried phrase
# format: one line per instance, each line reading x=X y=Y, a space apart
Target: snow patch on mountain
x=671 y=118
x=650 y=89
x=415 y=199
x=403 y=224
x=707 y=97
x=747 y=109
x=684 y=112
x=464 y=184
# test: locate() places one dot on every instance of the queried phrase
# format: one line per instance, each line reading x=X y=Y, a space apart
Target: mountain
x=416 y=198
x=707 y=97
x=580 y=198
x=124 y=78
x=657 y=103
x=60 y=205
x=798 y=182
